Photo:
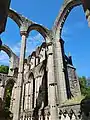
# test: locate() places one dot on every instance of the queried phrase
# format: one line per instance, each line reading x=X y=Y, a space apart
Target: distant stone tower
x=42 y=85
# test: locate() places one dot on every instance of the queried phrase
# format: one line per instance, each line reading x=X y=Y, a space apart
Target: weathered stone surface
x=43 y=82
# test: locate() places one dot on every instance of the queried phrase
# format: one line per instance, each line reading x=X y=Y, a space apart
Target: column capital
x=24 y=30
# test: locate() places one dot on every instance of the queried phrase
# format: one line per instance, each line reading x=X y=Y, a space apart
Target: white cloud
x=32 y=43
x=4 y=59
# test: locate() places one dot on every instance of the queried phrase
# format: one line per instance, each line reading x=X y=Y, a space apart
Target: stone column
x=29 y=95
x=32 y=62
x=22 y=101
x=51 y=83
x=46 y=114
x=12 y=99
x=37 y=91
x=2 y=89
x=59 y=69
x=26 y=97
x=35 y=96
x=16 y=115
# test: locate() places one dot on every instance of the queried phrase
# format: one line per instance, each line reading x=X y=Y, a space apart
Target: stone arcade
x=42 y=83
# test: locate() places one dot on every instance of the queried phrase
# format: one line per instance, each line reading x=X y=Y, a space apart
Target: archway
x=4 y=63
x=75 y=36
x=13 y=59
x=8 y=93
x=37 y=35
x=57 y=31
x=35 y=39
x=63 y=14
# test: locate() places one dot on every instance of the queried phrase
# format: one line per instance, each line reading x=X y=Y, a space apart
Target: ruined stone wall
x=3 y=78
x=35 y=102
x=73 y=81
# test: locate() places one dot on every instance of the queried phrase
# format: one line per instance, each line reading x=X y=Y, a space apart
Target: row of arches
x=21 y=21
x=43 y=31
x=66 y=8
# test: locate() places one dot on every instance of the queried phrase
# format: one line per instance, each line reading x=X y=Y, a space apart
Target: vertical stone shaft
x=16 y=115
x=59 y=70
x=2 y=89
x=31 y=94
x=51 y=84
x=35 y=92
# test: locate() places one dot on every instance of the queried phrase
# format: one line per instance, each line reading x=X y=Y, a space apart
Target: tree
x=4 y=69
x=85 y=90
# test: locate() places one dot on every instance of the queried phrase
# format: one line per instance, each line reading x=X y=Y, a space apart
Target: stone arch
x=63 y=14
x=10 y=80
x=14 y=60
x=15 y=17
x=42 y=30
x=6 y=49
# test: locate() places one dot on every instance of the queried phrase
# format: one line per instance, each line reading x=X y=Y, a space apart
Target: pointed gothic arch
x=63 y=14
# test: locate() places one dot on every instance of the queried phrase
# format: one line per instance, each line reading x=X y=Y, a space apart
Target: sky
x=76 y=32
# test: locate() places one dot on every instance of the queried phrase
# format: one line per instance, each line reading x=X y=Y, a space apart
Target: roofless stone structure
x=42 y=84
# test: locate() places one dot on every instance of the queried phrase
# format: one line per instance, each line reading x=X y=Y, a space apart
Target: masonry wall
x=35 y=94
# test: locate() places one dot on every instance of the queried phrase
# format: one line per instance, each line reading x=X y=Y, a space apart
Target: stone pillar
x=38 y=85
x=32 y=62
x=2 y=89
x=51 y=83
x=12 y=99
x=42 y=54
x=29 y=95
x=37 y=60
x=22 y=101
x=16 y=115
x=35 y=96
x=46 y=114
x=26 y=97
x=59 y=70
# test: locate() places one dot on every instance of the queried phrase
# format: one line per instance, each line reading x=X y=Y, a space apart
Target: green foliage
x=83 y=85
x=4 y=69
x=7 y=99
x=8 y=95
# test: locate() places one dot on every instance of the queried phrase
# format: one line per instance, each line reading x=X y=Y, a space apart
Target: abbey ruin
x=42 y=84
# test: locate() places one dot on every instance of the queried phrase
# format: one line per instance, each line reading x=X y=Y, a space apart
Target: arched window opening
x=8 y=94
x=11 y=37
x=34 y=50
x=35 y=39
x=76 y=36
x=4 y=62
x=76 y=33
x=29 y=93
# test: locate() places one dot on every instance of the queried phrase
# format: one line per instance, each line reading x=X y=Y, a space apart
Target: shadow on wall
x=85 y=108
x=4 y=114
